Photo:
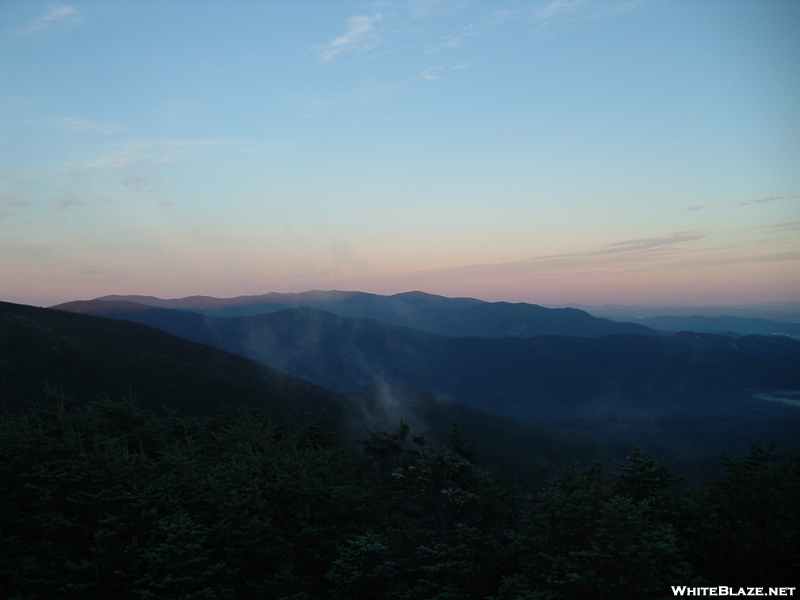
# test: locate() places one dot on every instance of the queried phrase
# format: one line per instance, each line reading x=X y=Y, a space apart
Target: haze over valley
x=688 y=395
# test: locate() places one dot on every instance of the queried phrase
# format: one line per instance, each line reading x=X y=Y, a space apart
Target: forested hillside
x=84 y=356
x=106 y=501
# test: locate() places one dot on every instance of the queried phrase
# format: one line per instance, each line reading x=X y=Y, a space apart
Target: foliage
x=104 y=500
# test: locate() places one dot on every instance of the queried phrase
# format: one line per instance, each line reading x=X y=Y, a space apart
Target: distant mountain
x=519 y=320
x=84 y=356
x=686 y=396
x=454 y=317
x=722 y=324
x=513 y=376
x=348 y=304
x=782 y=312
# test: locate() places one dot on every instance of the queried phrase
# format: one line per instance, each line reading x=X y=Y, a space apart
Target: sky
x=552 y=151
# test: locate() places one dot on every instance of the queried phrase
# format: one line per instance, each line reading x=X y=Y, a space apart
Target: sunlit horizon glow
x=555 y=152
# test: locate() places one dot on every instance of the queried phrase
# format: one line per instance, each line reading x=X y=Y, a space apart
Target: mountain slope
x=506 y=376
x=687 y=397
x=505 y=319
x=84 y=356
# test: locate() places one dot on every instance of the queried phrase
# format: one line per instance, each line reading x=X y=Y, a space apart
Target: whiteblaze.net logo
x=723 y=590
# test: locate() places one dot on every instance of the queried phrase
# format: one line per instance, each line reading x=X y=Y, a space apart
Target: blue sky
x=564 y=151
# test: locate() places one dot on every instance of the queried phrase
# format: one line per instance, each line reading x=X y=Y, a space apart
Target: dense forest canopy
x=102 y=499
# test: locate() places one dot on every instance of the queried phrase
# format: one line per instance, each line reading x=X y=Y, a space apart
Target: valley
x=689 y=397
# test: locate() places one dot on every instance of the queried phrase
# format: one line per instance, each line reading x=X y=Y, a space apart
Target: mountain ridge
x=82 y=356
x=502 y=375
x=453 y=317
x=687 y=397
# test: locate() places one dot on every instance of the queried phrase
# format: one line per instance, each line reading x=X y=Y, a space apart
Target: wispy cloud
x=696 y=207
x=767 y=199
x=637 y=254
x=777 y=227
x=131 y=153
x=11 y=199
x=142 y=182
x=55 y=16
x=429 y=74
x=735 y=259
x=645 y=244
x=435 y=25
x=556 y=11
x=425 y=9
x=452 y=40
x=9 y=202
x=558 y=8
x=499 y=17
x=109 y=163
x=358 y=37
x=667 y=252
x=72 y=202
x=75 y=124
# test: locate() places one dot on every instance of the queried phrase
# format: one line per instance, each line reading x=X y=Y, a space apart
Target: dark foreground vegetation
x=103 y=500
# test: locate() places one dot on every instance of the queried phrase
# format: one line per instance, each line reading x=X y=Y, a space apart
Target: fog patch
x=382 y=407
x=790 y=397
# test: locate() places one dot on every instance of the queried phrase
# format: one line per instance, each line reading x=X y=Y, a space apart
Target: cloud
x=425 y=24
x=150 y=156
x=75 y=124
x=499 y=17
x=358 y=37
x=642 y=254
x=645 y=244
x=697 y=207
x=430 y=75
x=56 y=15
x=115 y=163
x=767 y=199
x=9 y=201
x=786 y=226
x=564 y=11
x=706 y=261
x=425 y=9
x=452 y=40
x=70 y=202
x=557 y=8
x=142 y=182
